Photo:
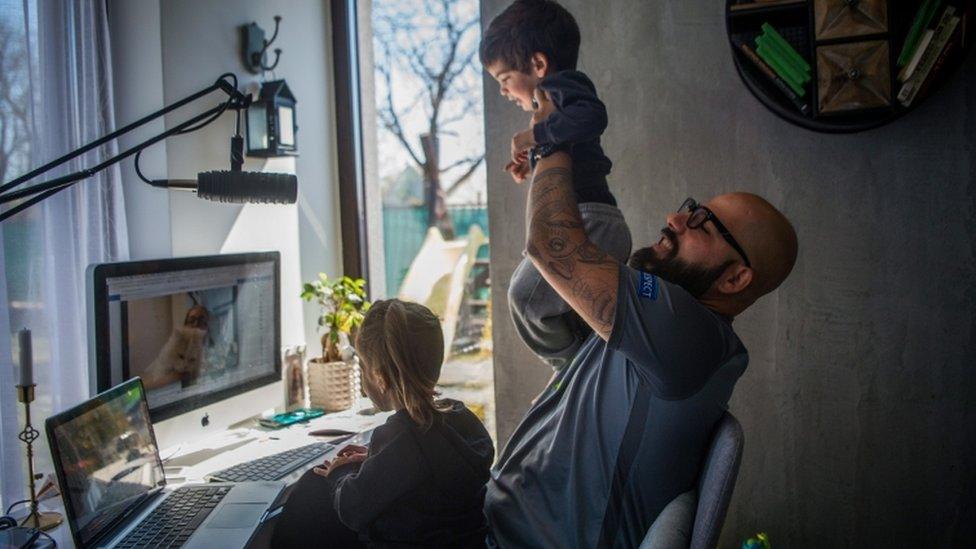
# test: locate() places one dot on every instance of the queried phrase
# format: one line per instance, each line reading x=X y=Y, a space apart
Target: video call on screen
x=191 y=332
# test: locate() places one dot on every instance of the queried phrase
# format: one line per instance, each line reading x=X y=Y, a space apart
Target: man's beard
x=695 y=279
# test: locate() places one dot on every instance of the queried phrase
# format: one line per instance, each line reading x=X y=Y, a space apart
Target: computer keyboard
x=173 y=522
x=272 y=467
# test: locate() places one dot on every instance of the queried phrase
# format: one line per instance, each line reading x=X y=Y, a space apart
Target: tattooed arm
x=584 y=275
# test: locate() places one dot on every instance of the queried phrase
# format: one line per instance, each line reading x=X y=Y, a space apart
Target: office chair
x=714 y=492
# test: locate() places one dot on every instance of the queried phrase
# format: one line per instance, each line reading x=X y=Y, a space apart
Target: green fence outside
x=404 y=228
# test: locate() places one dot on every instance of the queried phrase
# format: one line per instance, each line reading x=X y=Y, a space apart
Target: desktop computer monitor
x=203 y=333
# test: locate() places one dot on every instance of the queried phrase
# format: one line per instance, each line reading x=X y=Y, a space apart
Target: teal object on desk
x=278 y=421
x=761 y=541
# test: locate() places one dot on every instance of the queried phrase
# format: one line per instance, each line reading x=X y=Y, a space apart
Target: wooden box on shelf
x=847 y=18
x=853 y=76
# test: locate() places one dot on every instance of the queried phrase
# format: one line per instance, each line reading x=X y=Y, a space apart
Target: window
x=423 y=175
x=21 y=234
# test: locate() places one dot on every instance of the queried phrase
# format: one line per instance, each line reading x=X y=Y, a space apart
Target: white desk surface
x=190 y=463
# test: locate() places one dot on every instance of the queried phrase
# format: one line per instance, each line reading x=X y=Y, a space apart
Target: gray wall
x=167 y=49
x=856 y=404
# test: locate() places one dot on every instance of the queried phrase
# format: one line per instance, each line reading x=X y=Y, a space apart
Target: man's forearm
x=584 y=275
x=554 y=225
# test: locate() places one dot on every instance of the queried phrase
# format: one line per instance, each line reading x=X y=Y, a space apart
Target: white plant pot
x=332 y=385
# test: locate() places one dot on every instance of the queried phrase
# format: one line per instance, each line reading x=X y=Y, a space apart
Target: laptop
x=114 y=490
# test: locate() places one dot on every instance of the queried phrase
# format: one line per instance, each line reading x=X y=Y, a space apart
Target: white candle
x=26 y=360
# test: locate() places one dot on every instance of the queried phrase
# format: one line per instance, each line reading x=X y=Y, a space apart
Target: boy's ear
x=540 y=64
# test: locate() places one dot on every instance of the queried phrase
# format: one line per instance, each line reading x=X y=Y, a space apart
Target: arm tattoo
x=562 y=252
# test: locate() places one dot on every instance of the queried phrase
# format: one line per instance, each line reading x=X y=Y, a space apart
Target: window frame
x=349 y=139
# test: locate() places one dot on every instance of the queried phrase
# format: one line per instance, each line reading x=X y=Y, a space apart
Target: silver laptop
x=114 y=490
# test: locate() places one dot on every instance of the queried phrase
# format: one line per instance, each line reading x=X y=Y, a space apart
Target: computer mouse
x=330 y=432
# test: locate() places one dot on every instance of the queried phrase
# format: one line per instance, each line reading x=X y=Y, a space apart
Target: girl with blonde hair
x=422 y=480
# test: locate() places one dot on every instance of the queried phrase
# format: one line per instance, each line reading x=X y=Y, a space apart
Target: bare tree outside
x=20 y=234
x=14 y=102
x=426 y=86
x=426 y=60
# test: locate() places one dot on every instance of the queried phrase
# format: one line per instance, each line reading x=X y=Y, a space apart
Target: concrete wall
x=858 y=426
x=167 y=49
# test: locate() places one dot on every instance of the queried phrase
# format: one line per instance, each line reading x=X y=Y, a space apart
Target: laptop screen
x=106 y=458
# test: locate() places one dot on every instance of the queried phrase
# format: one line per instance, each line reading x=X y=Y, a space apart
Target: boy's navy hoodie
x=421 y=487
x=576 y=125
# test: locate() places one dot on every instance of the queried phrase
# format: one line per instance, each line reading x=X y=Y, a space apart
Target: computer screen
x=105 y=457
x=196 y=330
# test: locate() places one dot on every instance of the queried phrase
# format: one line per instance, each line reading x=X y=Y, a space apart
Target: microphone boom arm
x=41 y=191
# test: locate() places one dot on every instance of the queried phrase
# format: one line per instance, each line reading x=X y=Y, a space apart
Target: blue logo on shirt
x=648 y=286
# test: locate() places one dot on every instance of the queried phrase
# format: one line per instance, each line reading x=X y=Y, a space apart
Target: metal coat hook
x=256 y=47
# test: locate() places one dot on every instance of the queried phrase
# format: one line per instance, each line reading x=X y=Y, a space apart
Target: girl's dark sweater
x=421 y=487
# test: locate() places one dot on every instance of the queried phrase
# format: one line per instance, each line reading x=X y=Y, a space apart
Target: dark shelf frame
x=900 y=15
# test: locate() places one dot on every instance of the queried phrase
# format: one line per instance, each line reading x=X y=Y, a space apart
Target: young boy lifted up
x=529 y=48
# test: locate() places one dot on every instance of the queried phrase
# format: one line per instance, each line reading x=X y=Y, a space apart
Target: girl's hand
x=328 y=467
x=352 y=449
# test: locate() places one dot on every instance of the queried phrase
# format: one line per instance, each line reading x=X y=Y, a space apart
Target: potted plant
x=331 y=380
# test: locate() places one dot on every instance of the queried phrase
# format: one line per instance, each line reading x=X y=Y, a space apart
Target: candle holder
x=43 y=520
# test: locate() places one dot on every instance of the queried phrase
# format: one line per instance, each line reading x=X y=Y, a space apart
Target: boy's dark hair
x=530 y=26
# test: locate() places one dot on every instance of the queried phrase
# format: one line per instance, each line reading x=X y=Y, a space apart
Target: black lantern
x=271 y=122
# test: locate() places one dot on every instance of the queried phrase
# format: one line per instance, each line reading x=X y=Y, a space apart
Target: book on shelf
x=909 y=90
x=780 y=56
x=780 y=69
x=925 y=43
x=771 y=75
x=754 y=4
x=940 y=69
x=797 y=74
x=767 y=48
x=926 y=12
x=966 y=16
x=909 y=68
x=785 y=46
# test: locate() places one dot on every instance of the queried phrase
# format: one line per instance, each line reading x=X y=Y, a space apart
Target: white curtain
x=48 y=248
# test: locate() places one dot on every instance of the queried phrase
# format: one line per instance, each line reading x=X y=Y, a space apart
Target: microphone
x=239 y=187
x=246 y=187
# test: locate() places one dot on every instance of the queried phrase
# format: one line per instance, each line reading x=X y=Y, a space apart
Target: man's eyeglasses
x=699 y=214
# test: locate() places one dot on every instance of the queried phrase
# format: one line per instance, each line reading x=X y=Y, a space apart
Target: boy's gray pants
x=551 y=329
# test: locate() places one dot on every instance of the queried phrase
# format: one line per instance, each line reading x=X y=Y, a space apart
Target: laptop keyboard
x=173 y=522
x=272 y=467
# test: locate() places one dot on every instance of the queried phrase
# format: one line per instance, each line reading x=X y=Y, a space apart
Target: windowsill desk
x=247 y=441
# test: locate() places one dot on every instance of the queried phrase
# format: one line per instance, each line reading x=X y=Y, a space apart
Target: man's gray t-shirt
x=622 y=430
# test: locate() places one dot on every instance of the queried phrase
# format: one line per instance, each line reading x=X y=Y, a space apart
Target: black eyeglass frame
x=694 y=207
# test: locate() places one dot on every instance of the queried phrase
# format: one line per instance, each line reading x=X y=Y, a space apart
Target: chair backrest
x=717 y=481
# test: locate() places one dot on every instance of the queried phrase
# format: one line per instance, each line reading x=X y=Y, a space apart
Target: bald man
x=622 y=430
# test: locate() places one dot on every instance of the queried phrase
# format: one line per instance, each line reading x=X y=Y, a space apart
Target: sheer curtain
x=46 y=249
